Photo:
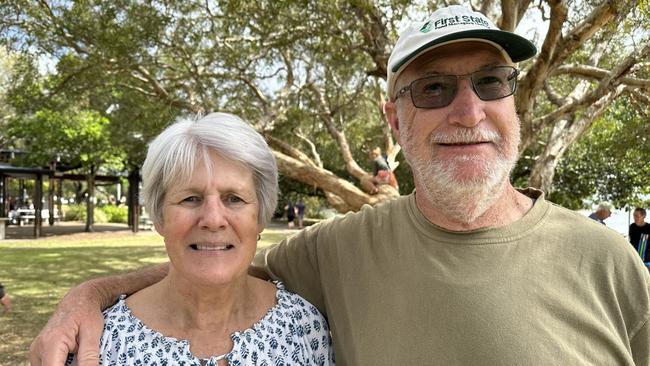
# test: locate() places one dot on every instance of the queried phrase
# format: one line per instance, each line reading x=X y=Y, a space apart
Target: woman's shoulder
x=290 y=300
x=120 y=319
x=295 y=309
x=293 y=326
x=290 y=311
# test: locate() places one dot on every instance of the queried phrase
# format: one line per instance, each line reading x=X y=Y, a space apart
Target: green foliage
x=115 y=214
x=102 y=214
x=124 y=70
x=78 y=137
x=78 y=213
x=609 y=163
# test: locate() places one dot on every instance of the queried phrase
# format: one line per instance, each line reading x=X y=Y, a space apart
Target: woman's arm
x=77 y=323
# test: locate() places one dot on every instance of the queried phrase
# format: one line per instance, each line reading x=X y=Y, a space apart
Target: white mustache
x=466 y=136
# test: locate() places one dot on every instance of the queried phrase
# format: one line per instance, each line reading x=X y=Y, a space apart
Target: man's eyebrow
x=482 y=67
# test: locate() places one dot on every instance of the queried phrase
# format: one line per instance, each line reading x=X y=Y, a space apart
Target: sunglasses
x=440 y=90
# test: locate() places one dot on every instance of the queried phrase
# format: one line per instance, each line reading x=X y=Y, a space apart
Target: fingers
x=34 y=353
x=46 y=353
x=76 y=321
x=89 y=338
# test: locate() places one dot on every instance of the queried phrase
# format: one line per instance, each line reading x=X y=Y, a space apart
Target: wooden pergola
x=54 y=175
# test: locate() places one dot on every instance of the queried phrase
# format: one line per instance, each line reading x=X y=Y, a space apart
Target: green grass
x=37 y=273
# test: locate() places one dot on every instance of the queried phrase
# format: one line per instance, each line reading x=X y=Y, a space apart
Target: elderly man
x=603 y=212
x=467 y=270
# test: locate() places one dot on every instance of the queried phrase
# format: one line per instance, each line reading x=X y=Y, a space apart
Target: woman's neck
x=206 y=315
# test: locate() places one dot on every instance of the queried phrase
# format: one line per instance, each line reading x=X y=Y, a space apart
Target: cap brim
x=517 y=47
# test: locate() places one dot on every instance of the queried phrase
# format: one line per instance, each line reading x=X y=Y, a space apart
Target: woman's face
x=210 y=223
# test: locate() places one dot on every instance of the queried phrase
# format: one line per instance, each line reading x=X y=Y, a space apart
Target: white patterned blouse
x=293 y=332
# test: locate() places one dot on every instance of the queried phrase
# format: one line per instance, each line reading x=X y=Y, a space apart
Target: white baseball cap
x=453 y=24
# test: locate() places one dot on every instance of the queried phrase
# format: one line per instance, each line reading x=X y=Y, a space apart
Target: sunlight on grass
x=38 y=272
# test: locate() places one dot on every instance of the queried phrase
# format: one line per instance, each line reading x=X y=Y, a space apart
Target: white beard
x=462 y=199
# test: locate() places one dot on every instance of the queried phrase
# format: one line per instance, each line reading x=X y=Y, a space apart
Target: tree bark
x=90 y=200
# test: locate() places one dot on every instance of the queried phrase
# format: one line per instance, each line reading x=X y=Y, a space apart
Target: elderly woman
x=210 y=187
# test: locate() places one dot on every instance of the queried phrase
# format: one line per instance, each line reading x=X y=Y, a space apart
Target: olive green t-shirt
x=553 y=288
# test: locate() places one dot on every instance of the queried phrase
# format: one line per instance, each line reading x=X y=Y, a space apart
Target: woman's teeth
x=211 y=247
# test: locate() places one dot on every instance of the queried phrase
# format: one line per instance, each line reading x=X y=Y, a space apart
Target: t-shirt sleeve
x=295 y=262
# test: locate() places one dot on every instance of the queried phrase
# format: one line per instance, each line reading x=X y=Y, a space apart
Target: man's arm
x=77 y=323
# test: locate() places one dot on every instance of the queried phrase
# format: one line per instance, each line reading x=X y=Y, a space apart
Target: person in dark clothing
x=300 y=207
x=291 y=213
x=638 y=228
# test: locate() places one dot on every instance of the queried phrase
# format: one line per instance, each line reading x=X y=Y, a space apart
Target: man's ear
x=390 y=111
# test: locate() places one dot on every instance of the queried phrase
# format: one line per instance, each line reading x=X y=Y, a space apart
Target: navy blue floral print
x=293 y=332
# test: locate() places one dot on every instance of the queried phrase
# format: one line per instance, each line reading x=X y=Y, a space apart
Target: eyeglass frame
x=515 y=74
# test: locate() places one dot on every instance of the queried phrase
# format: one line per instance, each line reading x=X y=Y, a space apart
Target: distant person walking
x=603 y=211
x=300 y=207
x=291 y=214
x=638 y=228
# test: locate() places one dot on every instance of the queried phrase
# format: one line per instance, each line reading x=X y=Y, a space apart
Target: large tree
x=309 y=74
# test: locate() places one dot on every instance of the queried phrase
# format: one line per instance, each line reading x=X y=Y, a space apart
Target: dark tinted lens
x=495 y=83
x=434 y=91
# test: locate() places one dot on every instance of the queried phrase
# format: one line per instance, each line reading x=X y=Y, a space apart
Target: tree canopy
x=309 y=75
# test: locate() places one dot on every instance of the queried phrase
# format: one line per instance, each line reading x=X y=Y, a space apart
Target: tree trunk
x=50 y=195
x=133 y=200
x=350 y=198
x=563 y=135
x=90 y=199
x=38 y=205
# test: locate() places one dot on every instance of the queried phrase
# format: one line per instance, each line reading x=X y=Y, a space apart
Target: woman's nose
x=213 y=215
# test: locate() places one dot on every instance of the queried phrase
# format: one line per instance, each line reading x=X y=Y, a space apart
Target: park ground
x=38 y=272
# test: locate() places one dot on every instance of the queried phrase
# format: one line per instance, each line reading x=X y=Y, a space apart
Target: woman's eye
x=191 y=199
x=234 y=199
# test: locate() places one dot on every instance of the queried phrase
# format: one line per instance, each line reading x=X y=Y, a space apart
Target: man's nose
x=213 y=214
x=467 y=107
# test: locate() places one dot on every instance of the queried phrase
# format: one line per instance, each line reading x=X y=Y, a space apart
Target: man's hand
x=75 y=327
x=77 y=323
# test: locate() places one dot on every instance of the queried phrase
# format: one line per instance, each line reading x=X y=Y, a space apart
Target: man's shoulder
x=368 y=216
x=380 y=209
x=563 y=221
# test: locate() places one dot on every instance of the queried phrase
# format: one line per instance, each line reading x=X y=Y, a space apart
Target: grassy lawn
x=37 y=273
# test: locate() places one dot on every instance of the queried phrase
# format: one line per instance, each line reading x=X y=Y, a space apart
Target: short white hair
x=605 y=206
x=172 y=157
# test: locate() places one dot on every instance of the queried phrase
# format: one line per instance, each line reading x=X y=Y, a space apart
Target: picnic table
x=26 y=216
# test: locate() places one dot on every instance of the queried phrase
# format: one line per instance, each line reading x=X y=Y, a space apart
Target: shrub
x=116 y=214
x=78 y=213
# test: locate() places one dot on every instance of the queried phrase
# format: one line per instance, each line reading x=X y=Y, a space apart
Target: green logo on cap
x=426 y=27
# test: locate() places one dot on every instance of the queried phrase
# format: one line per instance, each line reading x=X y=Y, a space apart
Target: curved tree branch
x=597 y=73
